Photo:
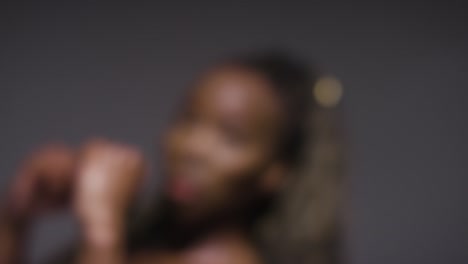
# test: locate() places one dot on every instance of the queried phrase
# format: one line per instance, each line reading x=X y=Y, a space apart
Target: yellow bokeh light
x=328 y=91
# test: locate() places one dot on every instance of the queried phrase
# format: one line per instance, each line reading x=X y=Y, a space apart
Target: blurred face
x=221 y=146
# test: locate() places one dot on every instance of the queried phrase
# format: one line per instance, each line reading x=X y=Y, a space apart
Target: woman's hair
x=292 y=80
x=302 y=224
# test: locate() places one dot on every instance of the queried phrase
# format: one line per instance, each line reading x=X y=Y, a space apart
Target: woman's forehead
x=236 y=90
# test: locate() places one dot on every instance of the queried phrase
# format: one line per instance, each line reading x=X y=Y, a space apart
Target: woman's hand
x=107 y=179
x=43 y=182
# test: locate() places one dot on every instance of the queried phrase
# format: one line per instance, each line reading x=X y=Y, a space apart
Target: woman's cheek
x=174 y=141
x=236 y=163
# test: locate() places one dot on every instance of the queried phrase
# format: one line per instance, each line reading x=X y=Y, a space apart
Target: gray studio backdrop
x=73 y=70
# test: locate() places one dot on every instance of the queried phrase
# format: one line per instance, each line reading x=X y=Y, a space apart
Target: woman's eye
x=186 y=117
x=234 y=136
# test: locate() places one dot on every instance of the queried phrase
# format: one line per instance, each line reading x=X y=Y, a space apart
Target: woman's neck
x=180 y=232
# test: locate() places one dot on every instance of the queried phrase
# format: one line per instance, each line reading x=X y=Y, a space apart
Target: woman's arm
x=103 y=242
x=12 y=237
x=108 y=177
x=41 y=184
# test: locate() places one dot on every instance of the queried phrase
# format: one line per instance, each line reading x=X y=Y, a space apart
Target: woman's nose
x=198 y=143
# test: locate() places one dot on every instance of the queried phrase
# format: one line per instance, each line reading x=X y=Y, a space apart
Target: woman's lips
x=182 y=190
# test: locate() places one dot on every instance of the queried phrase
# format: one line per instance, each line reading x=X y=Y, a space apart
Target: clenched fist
x=107 y=179
x=43 y=181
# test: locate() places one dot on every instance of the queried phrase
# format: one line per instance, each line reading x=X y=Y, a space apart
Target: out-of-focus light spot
x=328 y=91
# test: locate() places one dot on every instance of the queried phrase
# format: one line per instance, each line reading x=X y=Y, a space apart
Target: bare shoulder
x=203 y=255
x=212 y=251
x=233 y=252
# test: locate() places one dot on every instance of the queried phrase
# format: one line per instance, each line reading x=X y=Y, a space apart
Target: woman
x=226 y=155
